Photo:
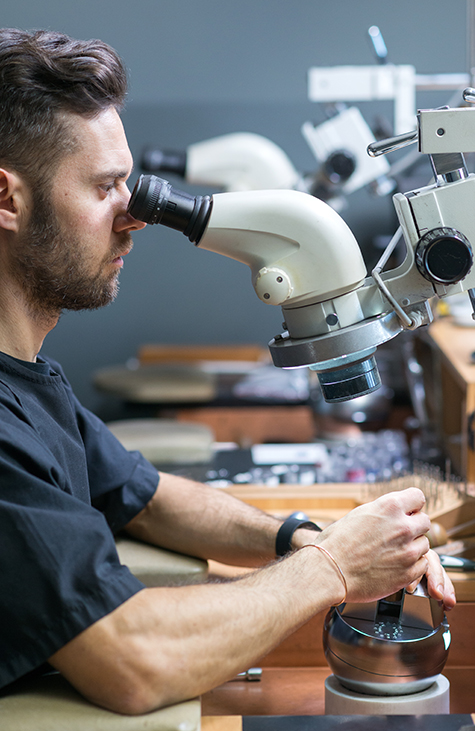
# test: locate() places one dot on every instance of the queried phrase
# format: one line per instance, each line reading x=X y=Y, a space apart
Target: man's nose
x=125 y=222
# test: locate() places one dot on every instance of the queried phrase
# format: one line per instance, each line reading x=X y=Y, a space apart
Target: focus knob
x=444 y=255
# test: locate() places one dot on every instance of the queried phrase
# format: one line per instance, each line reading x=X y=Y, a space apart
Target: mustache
x=124 y=243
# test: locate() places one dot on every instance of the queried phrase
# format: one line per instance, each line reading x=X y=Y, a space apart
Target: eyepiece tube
x=164 y=161
x=154 y=200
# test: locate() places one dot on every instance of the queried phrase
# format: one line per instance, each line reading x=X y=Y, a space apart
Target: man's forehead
x=102 y=144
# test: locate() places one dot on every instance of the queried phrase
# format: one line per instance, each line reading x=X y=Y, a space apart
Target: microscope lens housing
x=349 y=381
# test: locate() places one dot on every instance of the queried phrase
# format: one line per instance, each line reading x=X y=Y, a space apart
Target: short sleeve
x=59 y=567
x=121 y=483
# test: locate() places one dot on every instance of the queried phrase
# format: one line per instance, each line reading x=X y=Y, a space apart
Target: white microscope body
x=304 y=257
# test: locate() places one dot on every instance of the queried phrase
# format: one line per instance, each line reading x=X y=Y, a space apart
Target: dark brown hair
x=43 y=75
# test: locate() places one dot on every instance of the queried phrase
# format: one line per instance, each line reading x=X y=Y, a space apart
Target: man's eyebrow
x=112 y=174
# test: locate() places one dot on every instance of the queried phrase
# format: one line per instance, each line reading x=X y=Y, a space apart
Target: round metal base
x=340 y=701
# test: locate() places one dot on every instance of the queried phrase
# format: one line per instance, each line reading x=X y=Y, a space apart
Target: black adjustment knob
x=444 y=255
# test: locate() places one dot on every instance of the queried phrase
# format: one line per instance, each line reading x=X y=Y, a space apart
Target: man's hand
x=439 y=585
x=366 y=531
x=382 y=546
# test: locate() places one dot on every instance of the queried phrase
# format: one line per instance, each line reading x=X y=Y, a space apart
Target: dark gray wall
x=200 y=69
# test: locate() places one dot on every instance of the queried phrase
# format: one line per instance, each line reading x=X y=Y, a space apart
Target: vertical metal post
x=471 y=40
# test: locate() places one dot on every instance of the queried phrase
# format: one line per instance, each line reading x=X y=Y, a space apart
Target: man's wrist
x=303 y=536
x=285 y=542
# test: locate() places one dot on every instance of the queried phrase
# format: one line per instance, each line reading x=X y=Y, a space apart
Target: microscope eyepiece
x=154 y=200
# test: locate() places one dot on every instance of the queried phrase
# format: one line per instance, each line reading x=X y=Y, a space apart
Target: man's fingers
x=409 y=502
x=412 y=500
x=439 y=585
x=413 y=585
x=383 y=543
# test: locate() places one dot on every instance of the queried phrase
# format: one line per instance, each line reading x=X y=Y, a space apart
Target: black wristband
x=283 y=541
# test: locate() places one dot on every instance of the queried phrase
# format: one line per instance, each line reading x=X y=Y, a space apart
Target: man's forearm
x=165 y=645
x=202 y=521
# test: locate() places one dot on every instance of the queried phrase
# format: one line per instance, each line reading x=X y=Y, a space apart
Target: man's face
x=69 y=254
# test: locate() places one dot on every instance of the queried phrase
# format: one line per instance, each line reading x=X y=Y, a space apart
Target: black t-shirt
x=66 y=485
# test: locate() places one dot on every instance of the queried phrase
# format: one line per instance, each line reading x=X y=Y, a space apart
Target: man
x=66 y=485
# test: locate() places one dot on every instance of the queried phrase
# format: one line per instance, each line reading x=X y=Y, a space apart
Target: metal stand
x=340 y=701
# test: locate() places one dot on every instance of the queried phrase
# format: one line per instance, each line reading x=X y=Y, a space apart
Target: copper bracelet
x=340 y=572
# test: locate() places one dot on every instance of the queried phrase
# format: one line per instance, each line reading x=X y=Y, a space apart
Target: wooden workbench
x=445 y=351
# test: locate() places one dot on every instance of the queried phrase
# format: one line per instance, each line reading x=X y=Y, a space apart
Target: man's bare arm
x=203 y=521
x=167 y=644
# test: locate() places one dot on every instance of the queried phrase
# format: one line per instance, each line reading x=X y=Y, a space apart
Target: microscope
x=304 y=258
x=231 y=162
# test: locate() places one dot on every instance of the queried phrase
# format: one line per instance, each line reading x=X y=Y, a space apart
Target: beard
x=55 y=274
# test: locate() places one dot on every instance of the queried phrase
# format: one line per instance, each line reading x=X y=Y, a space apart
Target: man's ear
x=13 y=200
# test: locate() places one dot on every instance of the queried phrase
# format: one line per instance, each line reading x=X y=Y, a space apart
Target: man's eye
x=107 y=187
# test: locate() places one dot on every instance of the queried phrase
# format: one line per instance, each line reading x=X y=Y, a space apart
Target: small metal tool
x=456 y=563
x=252 y=675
